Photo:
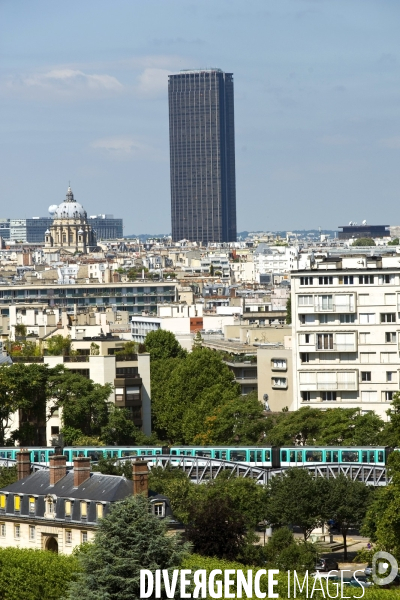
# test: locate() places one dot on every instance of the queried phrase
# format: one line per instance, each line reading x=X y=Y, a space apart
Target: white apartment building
x=274 y=259
x=346 y=332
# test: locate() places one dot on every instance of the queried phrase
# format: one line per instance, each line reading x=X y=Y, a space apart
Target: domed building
x=70 y=230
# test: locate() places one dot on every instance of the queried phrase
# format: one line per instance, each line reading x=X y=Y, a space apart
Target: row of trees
x=221 y=516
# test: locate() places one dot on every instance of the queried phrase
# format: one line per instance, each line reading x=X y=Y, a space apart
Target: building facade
x=202 y=155
x=29 y=230
x=106 y=227
x=346 y=328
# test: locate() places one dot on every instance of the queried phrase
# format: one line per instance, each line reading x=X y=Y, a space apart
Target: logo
x=381 y=562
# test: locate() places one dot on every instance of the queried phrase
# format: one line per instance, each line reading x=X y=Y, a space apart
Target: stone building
x=70 y=230
x=57 y=509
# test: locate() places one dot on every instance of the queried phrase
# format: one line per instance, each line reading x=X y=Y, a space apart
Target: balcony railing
x=70 y=359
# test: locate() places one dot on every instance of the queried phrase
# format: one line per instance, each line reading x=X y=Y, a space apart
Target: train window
x=252 y=455
x=258 y=456
x=299 y=456
x=224 y=455
x=364 y=456
x=267 y=455
x=313 y=456
x=237 y=455
x=66 y=454
x=371 y=456
x=205 y=453
x=291 y=456
x=283 y=456
x=149 y=452
x=328 y=455
x=173 y=452
x=36 y=456
x=157 y=452
x=94 y=454
x=216 y=454
x=380 y=456
x=349 y=456
x=335 y=456
x=78 y=453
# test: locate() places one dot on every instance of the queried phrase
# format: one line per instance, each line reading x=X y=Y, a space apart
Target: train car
x=252 y=456
x=95 y=453
x=310 y=455
x=39 y=454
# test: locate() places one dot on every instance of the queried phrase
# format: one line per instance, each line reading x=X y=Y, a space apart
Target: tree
x=197 y=340
x=289 y=311
x=120 y=430
x=58 y=345
x=128 y=348
x=84 y=403
x=364 y=242
x=296 y=498
x=94 y=349
x=176 y=485
x=346 y=502
x=391 y=433
x=394 y=242
x=239 y=420
x=216 y=528
x=283 y=552
x=128 y=539
x=162 y=344
x=296 y=428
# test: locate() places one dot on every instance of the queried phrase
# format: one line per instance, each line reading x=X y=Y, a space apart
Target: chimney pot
x=81 y=470
x=58 y=468
x=23 y=464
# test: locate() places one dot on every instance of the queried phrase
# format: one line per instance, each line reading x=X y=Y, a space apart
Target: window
x=390 y=375
x=363 y=299
x=367 y=357
x=390 y=337
x=325 y=280
x=369 y=396
x=325 y=341
x=345 y=341
x=388 y=357
x=2 y=530
x=305 y=338
x=279 y=363
x=324 y=302
x=2 y=501
x=347 y=319
x=323 y=319
x=388 y=396
x=159 y=509
x=17 y=503
x=364 y=338
x=17 y=531
x=386 y=278
x=32 y=504
x=348 y=280
x=119 y=394
x=84 y=537
x=366 y=279
x=306 y=280
x=55 y=430
x=367 y=318
x=328 y=396
x=68 y=536
x=388 y=317
x=304 y=357
x=305 y=396
x=67 y=507
x=365 y=375
x=32 y=533
x=99 y=511
x=83 y=510
x=50 y=506
x=390 y=299
x=279 y=382
x=306 y=301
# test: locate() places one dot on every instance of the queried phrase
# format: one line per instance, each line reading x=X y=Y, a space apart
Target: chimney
x=58 y=468
x=81 y=470
x=140 y=474
x=23 y=463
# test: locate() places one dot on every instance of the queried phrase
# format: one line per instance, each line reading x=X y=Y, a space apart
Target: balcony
x=73 y=359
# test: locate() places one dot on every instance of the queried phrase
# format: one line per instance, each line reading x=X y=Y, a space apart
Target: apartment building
x=346 y=327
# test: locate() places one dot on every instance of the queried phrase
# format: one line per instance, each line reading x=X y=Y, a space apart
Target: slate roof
x=99 y=487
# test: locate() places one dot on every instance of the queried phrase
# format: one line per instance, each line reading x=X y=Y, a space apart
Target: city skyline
x=316 y=102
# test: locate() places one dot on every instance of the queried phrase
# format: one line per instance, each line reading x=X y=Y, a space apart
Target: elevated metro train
x=272 y=457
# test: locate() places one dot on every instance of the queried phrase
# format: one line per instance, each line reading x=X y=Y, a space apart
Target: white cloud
x=153 y=82
x=66 y=80
x=393 y=143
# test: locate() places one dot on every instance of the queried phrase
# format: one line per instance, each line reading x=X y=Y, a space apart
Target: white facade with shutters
x=346 y=332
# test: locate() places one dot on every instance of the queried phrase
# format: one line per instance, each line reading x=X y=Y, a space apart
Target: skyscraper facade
x=202 y=154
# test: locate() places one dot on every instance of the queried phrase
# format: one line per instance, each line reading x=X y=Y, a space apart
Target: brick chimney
x=81 y=470
x=58 y=468
x=23 y=464
x=140 y=474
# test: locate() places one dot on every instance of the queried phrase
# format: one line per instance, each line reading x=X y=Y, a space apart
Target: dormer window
x=32 y=504
x=83 y=510
x=99 y=511
x=17 y=503
x=50 y=503
x=2 y=501
x=50 y=506
x=68 y=508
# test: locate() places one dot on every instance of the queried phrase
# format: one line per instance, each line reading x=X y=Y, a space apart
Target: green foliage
x=20 y=330
x=364 y=242
x=284 y=552
x=197 y=340
x=127 y=348
x=94 y=349
x=289 y=311
x=162 y=344
x=394 y=242
x=35 y=574
x=296 y=498
x=175 y=484
x=346 y=501
x=8 y=475
x=391 y=433
x=108 y=466
x=120 y=429
x=84 y=403
x=58 y=345
x=128 y=539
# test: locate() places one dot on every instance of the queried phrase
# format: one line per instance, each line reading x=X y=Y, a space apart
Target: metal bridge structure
x=200 y=469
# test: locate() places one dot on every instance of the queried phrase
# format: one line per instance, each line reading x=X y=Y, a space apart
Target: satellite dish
x=364 y=222
x=52 y=209
x=350 y=223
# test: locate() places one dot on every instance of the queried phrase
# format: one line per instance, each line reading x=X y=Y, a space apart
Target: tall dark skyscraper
x=202 y=150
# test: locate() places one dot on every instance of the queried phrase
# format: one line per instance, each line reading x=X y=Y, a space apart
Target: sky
x=83 y=97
